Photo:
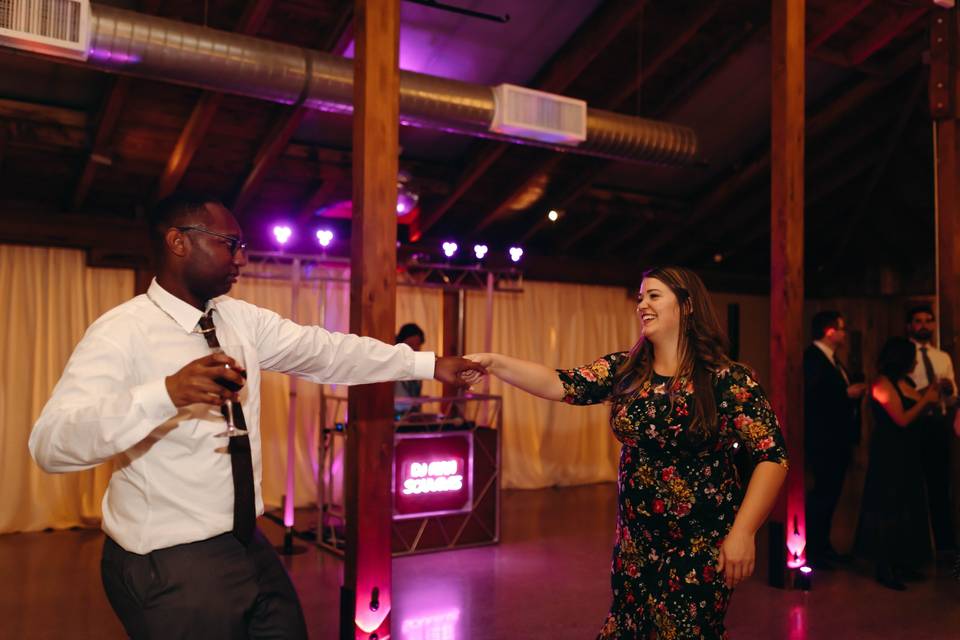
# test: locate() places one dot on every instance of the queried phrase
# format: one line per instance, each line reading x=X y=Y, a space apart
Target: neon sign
x=433 y=477
x=432 y=473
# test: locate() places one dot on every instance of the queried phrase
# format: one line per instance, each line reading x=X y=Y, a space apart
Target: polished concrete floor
x=546 y=580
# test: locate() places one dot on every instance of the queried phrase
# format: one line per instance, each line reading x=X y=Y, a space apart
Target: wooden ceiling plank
x=286 y=124
x=204 y=111
x=613 y=101
x=886 y=31
x=618 y=98
x=838 y=16
x=598 y=218
x=596 y=33
x=823 y=120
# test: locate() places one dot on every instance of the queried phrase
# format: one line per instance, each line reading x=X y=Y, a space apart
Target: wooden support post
x=451 y=313
x=788 y=529
x=365 y=596
x=944 y=98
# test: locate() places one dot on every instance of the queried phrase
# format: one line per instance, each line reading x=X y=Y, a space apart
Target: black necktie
x=241 y=461
x=927 y=366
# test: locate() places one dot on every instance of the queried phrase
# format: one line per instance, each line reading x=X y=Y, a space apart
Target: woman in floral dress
x=681 y=408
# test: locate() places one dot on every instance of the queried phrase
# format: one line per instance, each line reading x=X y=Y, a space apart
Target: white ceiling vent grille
x=539 y=115
x=52 y=27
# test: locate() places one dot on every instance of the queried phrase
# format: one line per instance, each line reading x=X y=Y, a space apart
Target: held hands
x=458 y=371
x=737 y=557
x=485 y=360
x=196 y=381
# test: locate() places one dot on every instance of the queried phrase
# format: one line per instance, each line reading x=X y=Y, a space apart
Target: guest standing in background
x=831 y=431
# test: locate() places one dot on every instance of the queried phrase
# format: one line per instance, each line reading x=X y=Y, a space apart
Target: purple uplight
x=106 y=55
x=324 y=237
x=806 y=570
x=480 y=250
x=516 y=253
x=282 y=234
x=449 y=248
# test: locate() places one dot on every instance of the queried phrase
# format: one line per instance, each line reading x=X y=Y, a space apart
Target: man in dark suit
x=831 y=430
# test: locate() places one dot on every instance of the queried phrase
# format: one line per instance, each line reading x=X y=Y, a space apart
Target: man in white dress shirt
x=934 y=367
x=182 y=557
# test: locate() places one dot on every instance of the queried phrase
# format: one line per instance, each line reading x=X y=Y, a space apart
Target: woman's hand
x=485 y=360
x=737 y=557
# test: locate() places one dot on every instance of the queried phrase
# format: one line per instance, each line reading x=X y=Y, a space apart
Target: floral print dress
x=677 y=500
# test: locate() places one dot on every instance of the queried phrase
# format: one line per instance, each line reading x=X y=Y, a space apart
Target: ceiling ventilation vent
x=538 y=115
x=52 y=27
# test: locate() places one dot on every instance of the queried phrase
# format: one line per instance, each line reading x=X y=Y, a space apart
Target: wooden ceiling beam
x=571 y=192
x=596 y=33
x=287 y=123
x=680 y=90
x=822 y=121
x=598 y=218
x=756 y=205
x=886 y=31
x=619 y=96
x=893 y=141
x=613 y=101
x=521 y=187
x=835 y=181
x=204 y=112
x=837 y=17
x=331 y=177
x=107 y=120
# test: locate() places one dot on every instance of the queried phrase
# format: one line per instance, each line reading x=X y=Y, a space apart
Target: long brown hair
x=702 y=349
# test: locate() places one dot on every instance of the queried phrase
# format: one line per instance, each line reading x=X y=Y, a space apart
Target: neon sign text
x=439 y=476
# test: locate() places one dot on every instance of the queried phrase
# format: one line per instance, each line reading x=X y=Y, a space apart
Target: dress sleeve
x=591 y=383
x=744 y=405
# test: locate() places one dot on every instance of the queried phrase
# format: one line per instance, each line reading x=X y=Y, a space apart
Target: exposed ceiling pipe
x=178 y=52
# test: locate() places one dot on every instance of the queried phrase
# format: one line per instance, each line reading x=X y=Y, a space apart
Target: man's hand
x=195 y=382
x=454 y=370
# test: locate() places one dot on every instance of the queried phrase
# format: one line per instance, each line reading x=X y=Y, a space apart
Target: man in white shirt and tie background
x=182 y=556
x=935 y=367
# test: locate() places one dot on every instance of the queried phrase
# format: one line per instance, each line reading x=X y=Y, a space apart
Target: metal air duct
x=161 y=49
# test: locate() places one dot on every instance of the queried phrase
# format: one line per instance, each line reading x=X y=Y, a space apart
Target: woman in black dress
x=680 y=408
x=893 y=527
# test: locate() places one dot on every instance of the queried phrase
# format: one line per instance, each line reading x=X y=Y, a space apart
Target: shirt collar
x=921 y=345
x=183 y=313
x=823 y=346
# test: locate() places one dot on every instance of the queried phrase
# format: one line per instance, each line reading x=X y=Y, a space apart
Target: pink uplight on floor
x=441 y=625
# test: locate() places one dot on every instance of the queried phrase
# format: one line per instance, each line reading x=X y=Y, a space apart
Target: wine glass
x=229 y=409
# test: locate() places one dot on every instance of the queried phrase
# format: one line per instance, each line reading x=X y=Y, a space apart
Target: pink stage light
x=480 y=250
x=324 y=237
x=282 y=234
x=449 y=249
x=516 y=253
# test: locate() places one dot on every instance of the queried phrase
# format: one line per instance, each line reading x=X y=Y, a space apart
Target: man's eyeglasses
x=233 y=244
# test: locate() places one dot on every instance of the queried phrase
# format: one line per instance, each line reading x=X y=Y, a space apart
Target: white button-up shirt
x=172 y=482
x=942 y=366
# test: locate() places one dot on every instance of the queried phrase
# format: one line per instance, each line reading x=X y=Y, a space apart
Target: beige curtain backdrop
x=548 y=443
x=48 y=298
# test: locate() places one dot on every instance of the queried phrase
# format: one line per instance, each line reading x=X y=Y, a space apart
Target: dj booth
x=446 y=476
